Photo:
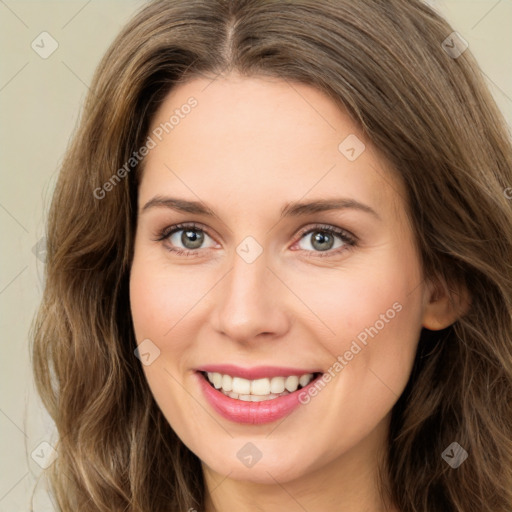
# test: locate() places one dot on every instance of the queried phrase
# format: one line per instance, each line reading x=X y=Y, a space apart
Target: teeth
x=215 y=379
x=277 y=385
x=227 y=383
x=241 y=386
x=292 y=383
x=305 y=379
x=253 y=398
x=259 y=389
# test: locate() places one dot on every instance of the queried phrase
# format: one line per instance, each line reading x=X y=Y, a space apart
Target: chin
x=267 y=470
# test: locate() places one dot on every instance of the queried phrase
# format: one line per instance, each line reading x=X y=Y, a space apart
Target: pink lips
x=255 y=413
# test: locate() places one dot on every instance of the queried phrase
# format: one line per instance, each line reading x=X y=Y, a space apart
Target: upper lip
x=256 y=372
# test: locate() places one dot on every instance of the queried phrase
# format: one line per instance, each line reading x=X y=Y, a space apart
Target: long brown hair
x=431 y=115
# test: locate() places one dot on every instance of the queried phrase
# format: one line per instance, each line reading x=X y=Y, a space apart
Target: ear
x=444 y=306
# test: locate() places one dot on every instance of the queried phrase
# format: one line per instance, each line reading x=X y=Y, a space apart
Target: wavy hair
x=430 y=114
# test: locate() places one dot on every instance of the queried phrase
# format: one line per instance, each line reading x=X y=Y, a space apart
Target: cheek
x=156 y=310
x=371 y=314
x=161 y=297
x=375 y=314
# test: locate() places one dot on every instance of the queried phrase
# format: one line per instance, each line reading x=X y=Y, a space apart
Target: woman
x=278 y=269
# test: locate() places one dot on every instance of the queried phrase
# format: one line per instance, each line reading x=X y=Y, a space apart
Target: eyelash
x=348 y=239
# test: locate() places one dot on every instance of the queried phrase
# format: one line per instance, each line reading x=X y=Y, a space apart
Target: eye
x=325 y=240
x=191 y=236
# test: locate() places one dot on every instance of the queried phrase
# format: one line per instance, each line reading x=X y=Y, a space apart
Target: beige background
x=40 y=100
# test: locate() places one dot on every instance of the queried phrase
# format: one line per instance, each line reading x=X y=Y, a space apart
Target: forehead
x=261 y=140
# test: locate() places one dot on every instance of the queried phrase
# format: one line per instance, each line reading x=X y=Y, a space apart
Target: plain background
x=40 y=101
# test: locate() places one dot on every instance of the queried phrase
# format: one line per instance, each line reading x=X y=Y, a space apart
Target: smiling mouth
x=257 y=390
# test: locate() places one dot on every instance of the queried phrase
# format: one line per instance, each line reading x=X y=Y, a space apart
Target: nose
x=250 y=302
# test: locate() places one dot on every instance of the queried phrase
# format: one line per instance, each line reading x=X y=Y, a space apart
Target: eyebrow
x=293 y=209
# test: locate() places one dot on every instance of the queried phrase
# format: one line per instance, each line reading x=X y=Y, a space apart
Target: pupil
x=193 y=238
x=321 y=237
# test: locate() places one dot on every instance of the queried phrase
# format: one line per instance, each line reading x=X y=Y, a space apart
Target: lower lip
x=255 y=413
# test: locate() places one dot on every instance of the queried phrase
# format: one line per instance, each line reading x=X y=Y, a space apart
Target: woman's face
x=266 y=298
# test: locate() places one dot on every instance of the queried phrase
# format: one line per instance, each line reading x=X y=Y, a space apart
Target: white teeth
x=253 y=398
x=292 y=383
x=259 y=389
x=305 y=379
x=277 y=385
x=241 y=386
x=215 y=379
x=227 y=383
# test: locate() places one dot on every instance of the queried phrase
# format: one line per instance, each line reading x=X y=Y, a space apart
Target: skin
x=249 y=147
